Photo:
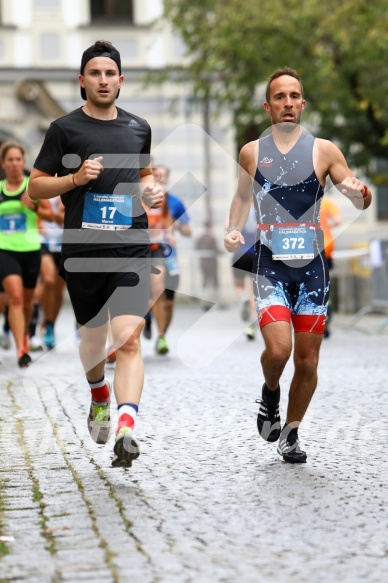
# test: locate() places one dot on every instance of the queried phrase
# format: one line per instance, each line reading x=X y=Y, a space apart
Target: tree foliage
x=339 y=49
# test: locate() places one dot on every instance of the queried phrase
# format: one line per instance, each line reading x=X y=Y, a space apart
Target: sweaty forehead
x=101 y=64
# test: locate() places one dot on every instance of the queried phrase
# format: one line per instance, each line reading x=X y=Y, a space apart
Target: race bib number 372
x=293 y=243
x=111 y=212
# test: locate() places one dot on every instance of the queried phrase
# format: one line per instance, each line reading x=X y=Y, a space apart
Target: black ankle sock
x=290 y=430
x=34 y=320
x=272 y=396
x=6 y=327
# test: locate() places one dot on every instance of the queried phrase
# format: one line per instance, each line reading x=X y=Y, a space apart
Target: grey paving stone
x=208 y=500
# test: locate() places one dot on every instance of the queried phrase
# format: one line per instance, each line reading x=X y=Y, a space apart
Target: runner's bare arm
x=242 y=200
x=151 y=193
x=43 y=208
x=45 y=211
x=59 y=216
x=43 y=185
x=342 y=177
x=184 y=230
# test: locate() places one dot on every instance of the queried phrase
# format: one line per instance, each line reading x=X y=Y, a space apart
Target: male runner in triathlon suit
x=287 y=170
x=105 y=250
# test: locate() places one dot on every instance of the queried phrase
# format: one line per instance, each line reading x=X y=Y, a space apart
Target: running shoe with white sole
x=35 y=344
x=268 y=419
x=99 y=421
x=6 y=341
x=289 y=447
x=126 y=448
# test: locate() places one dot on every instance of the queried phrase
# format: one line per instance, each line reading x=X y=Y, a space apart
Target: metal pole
x=207 y=160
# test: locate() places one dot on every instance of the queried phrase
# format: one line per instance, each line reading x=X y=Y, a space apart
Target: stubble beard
x=288 y=127
x=101 y=104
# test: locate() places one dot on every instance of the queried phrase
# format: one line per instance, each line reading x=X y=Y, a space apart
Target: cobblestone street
x=207 y=500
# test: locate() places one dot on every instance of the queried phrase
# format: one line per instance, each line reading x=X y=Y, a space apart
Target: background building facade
x=41 y=42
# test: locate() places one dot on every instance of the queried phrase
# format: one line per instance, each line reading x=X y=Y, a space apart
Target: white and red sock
x=127 y=415
x=99 y=390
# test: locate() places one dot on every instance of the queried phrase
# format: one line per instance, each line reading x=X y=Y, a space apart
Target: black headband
x=91 y=53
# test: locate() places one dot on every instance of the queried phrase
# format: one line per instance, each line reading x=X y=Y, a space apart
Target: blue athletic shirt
x=177 y=209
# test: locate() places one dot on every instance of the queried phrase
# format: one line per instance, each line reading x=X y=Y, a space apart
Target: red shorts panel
x=307 y=323
x=274 y=314
x=300 y=322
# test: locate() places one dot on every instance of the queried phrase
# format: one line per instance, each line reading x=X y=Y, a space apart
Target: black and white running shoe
x=268 y=418
x=289 y=447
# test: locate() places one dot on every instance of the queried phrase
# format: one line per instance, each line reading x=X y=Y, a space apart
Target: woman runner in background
x=19 y=244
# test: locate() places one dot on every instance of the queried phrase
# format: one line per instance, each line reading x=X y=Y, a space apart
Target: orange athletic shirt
x=328 y=210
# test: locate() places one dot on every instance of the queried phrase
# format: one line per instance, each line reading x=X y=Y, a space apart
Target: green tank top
x=18 y=224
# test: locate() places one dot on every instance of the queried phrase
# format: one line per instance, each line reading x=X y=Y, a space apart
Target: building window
x=113 y=10
x=46 y=5
x=50 y=47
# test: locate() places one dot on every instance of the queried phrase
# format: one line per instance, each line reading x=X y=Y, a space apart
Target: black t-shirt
x=106 y=212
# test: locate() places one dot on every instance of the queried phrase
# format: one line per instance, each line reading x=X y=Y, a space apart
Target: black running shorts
x=243 y=263
x=23 y=263
x=56 y=255
x=106 y=283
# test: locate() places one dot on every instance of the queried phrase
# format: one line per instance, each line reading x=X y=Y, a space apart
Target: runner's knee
x=306 y=364
x=15 y=300
x=128 y=344
x=278 y=355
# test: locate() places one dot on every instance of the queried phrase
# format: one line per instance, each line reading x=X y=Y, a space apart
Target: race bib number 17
x=110 y=212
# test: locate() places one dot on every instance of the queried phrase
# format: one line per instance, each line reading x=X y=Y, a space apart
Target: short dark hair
x=279 y=73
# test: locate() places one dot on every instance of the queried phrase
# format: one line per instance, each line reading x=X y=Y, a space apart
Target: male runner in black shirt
x=105 y=253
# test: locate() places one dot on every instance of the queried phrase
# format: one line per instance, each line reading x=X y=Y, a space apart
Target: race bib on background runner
x=293 y=243
x=15 y=223
x=110 y=212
